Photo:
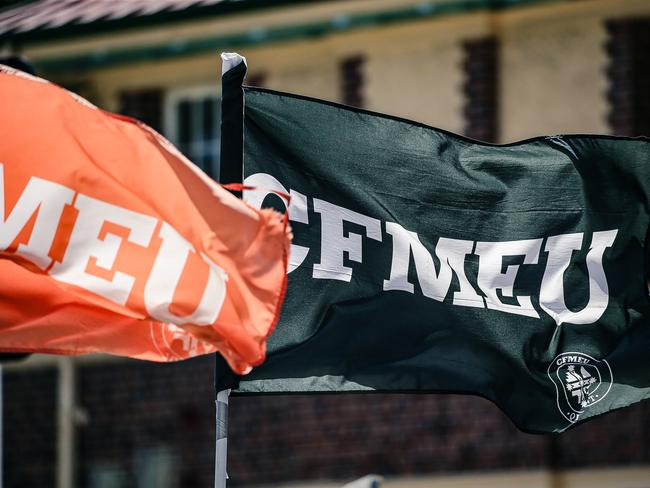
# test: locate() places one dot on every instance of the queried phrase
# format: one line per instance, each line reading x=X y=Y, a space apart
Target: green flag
x=426 y=262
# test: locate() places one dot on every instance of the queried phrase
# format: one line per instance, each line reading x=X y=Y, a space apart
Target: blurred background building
x=498 y=71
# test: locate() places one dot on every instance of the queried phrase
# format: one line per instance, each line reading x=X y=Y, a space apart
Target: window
x=481 y=71
x=192 y=123
x=352 y=81
x=144 y=105
x=628 y=74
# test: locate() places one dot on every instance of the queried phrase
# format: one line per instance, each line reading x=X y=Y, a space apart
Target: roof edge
x=134 y=21
x=179 y=48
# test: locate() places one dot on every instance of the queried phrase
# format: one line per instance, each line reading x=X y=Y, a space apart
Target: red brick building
x=496 y=71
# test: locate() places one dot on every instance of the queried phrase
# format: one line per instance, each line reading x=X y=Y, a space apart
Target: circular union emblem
x=580 y=381
x=174 y=343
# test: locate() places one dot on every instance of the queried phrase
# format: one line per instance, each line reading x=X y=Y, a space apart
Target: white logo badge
x=580 y=381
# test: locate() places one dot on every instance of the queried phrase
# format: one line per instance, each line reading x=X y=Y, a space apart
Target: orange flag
x=111 y=241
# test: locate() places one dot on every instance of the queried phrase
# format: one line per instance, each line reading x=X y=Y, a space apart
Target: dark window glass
x=628 y=74
x=352 y=81
x=208 y=118
x=480 y=87
x=183 y=121
x=144 y=105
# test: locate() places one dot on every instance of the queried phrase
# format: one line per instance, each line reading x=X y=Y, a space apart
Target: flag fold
x=112 y=241
x=423 y=261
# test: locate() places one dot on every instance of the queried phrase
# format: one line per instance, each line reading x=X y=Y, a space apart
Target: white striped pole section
x=221 y=449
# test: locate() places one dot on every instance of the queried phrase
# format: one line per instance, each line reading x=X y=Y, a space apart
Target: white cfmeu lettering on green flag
x=265 y=185
x=334 y=242
x=451 y=254
x=551 y=297
x=495 y=279
x=492 y=280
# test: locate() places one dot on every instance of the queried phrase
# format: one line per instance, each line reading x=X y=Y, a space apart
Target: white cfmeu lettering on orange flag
x=40 y=196
x=166 y=272
x=89 y=242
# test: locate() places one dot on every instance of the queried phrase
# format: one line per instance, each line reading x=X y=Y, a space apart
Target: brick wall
x=136 y=414
x=29 y=429
x=276 y=438
x=139 y=409
x=139 y=412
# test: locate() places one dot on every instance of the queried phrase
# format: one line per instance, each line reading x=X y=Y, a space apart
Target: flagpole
x=66 y=435
x=221 y=449
x=233 y=72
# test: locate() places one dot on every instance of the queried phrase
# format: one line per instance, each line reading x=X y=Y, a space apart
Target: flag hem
x=459 y=137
